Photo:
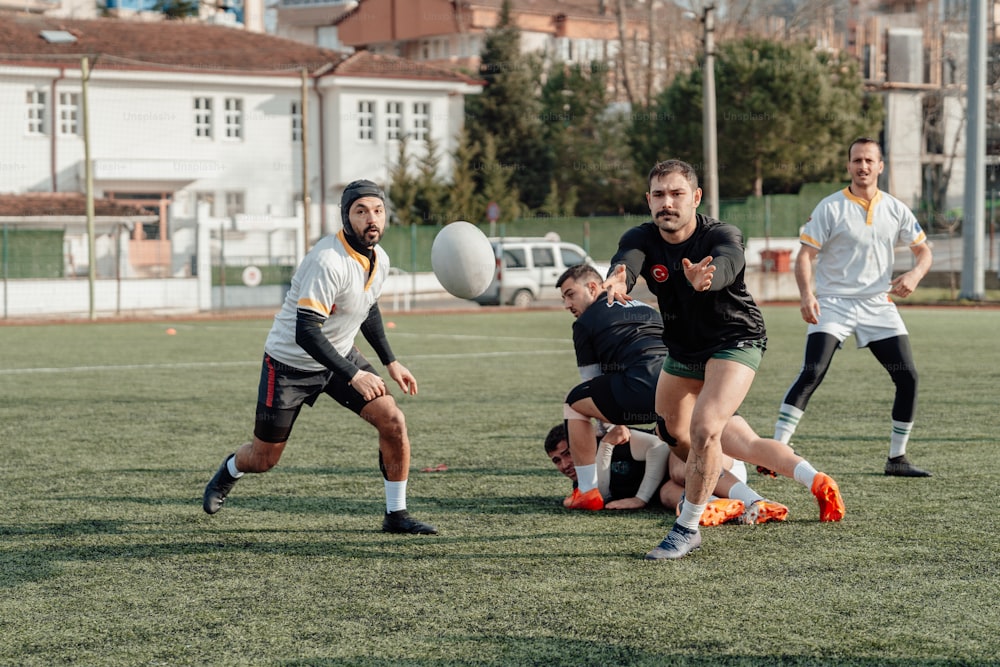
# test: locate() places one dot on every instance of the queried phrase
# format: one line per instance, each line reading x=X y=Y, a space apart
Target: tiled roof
x=366 y=63
x=63 y=204
x=579 y=9
x=177 y=44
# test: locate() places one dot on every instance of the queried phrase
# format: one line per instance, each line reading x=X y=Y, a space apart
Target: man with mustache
x=850 y=238
x=714 y=334
x=310 y=351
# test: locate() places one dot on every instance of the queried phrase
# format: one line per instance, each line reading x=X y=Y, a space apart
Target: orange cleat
x=720 y=511
x=591 y=500
x=831 y=504
x=763 y=511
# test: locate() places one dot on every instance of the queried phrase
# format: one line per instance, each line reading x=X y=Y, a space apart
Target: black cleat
x=218 y=488
x=400 y=521
x=900 y=466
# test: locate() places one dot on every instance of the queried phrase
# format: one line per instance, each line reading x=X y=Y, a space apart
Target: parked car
x=527 y=269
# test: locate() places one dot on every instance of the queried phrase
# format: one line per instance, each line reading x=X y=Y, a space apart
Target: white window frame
x=36 y=102
x=366 y=121
x=421 y=121
x=393 y=120
x=203 y=118
x=69 y=114
x=232 y=118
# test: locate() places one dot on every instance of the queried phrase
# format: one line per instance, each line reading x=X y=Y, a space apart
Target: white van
x=527 y=269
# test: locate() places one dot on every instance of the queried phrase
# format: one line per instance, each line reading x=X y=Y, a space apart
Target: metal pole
x=711 y=175
x=89 y=183
x=974 y=214
x=306 y=198
x=6 y=254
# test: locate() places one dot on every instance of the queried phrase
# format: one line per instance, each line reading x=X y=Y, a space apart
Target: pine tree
x=509 y=109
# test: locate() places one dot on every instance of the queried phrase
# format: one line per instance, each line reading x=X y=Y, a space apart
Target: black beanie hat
x=354 y=191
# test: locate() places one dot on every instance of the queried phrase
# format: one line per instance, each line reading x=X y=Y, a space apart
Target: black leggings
x=893 y=353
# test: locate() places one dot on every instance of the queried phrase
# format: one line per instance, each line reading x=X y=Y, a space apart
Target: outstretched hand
x=616 y=286
x=700 y=274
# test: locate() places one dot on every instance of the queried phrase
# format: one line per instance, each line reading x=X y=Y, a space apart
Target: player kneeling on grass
x=310 y=351
x=634 y=466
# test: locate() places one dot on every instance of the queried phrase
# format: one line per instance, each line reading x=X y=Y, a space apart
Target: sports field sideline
x=110 y=431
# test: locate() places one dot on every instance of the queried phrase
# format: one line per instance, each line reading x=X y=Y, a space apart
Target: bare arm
x=809 y=307
x=904 y=284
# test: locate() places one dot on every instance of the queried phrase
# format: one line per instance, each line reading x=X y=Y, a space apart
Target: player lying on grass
x=620 y=353
x=310 y=351
x=634 y=467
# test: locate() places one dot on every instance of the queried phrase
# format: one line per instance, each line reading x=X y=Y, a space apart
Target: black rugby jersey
x=618 y=336
x=696 y=325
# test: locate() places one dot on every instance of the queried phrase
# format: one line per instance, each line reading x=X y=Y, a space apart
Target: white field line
x=222 y=364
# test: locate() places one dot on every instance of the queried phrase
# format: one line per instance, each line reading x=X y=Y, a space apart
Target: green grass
x=110 y=431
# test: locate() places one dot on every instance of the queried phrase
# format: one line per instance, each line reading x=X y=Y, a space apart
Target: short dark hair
x=556 y=435
x=671 y=167
x=861 y=141
x=578 y=273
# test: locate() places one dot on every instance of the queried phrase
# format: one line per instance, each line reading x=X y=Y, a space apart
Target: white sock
x=804 y=474
x=788 y=421
x=586 y=477
x=741 y=491
x=231 y=467
x=691 y=515
x=395 y=496
x=900 y=436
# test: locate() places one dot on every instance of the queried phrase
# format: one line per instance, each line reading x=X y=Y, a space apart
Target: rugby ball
x=463 y=260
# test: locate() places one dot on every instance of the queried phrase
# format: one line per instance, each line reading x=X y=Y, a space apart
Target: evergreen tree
x=587 y=137
x=462 y=203
x=430 y=197
x=509 y=108
x=402 y=187
x=786 y=114
x=497 y=183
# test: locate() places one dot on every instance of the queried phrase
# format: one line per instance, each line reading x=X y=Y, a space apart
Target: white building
x=181 y=114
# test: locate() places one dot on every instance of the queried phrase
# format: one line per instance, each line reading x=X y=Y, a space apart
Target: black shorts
x=284 y=389
x=627 y=398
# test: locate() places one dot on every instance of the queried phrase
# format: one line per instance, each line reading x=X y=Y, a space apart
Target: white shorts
x=871 y=319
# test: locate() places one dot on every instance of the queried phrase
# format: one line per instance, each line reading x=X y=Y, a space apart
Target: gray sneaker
x=900 y=466
x=679 y=542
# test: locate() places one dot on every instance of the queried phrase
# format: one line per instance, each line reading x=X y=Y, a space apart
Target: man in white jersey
x=850 y=238
x=310 y=351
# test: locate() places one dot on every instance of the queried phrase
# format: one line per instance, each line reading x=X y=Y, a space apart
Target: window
x=543 y=257
x=234 y=203
x=514 y=258
x=203 y=117
x=35 y=112
x=366 y=120
x=296 y=121
x=571 y=257
x=421 y=120
x=233 y=117
x=393 y=120
x=69 y=110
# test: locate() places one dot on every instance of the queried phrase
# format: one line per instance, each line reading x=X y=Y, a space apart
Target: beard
x=371 y=236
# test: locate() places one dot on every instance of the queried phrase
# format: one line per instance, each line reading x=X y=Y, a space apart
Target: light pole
x=709 y=137
x=973 y=223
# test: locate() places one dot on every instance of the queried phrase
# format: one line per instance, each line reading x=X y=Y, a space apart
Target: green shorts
x=748 y=352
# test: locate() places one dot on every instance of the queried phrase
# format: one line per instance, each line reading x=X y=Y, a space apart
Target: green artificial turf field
x=111 y=430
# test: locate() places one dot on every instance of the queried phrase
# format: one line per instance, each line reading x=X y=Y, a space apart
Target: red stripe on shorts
x=269 y=400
